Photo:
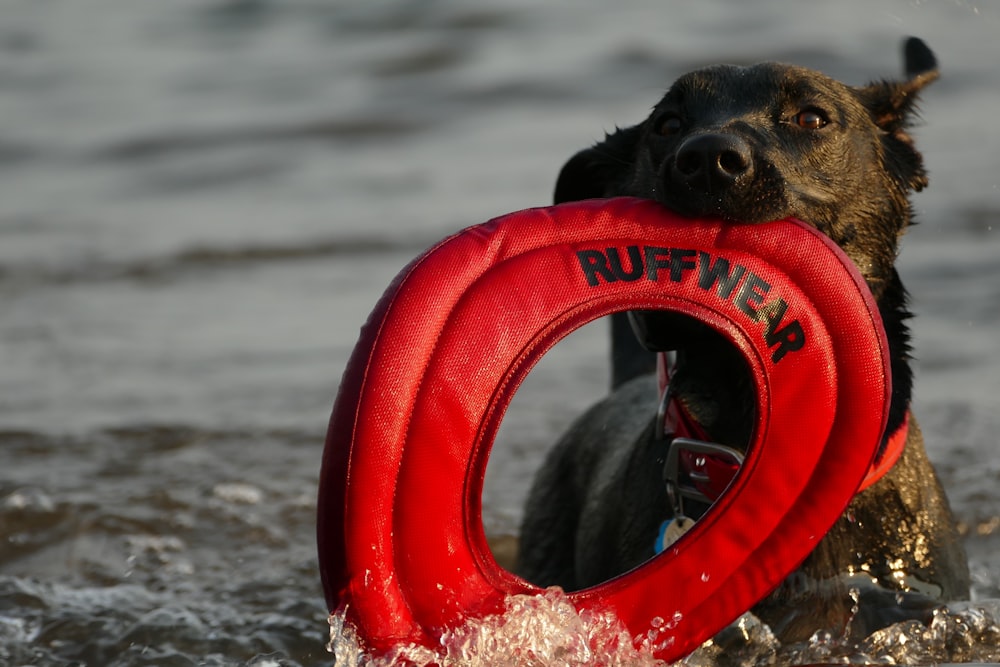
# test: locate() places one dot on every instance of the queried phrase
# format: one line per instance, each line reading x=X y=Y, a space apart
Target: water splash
x=962 y=632
x=546 y=630
x=533 y=631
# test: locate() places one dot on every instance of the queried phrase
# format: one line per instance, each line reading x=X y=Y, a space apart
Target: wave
x=204 y=258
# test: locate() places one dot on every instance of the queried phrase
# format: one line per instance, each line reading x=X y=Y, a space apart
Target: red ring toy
x=401 y=542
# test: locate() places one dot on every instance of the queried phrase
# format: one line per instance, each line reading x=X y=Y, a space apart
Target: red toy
x=401 y=541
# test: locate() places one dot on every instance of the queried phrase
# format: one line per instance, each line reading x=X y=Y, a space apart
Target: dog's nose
x=712 y=162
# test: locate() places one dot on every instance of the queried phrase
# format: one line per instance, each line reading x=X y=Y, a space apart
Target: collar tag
x=671 y=530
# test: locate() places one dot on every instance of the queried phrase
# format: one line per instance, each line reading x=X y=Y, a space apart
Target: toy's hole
x=570 y=377
x=556 y=394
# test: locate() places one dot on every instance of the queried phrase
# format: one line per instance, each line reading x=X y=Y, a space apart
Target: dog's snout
x=712 y=162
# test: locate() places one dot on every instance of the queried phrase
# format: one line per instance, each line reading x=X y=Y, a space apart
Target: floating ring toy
x=401 y=540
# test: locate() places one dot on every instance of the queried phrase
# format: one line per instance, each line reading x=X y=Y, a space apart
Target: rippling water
x=201 y=201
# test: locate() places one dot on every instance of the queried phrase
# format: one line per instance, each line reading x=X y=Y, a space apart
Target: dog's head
x=770 y=141
x=752 y=144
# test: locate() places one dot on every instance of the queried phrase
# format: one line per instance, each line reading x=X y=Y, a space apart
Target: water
x=201 y=201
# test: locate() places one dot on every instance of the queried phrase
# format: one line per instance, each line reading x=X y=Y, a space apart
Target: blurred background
x=201 y=201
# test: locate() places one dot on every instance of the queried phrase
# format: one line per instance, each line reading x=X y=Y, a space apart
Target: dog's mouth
x=726 y=205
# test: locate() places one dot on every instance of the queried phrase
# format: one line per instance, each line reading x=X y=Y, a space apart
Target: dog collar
x=702 y=470
x=892 y=449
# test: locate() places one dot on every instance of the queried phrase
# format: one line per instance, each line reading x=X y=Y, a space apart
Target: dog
x=753 y=144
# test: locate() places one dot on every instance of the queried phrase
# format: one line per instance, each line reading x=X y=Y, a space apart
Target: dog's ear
x=892 y=104
x=600 y=170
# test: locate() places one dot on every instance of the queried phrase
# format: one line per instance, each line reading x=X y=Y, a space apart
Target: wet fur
x=596 y=504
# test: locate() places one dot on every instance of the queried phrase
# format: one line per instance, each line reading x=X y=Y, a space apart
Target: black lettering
x=772 y=312
x=680 y=261
x=788 y=338
x=594 y=264
x=719 y=271
x=752 y=292
x=635 y=258
x=656 y=259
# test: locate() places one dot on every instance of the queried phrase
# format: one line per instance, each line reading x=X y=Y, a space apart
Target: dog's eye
x=810 y=119
x=670 y=125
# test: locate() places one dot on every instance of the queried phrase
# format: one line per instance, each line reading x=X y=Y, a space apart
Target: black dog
x=753 y=144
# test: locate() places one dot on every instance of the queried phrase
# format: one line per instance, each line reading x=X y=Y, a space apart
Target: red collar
x=711 y=474
x=887 y=458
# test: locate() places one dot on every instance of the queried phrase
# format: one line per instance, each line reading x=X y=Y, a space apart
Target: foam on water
x=533 y=630
x=548 y=631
